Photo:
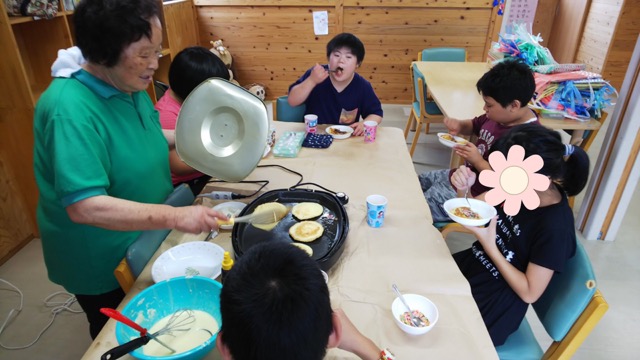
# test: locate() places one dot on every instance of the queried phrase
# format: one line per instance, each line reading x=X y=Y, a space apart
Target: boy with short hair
x=506 y=89
x=335 y=92
x=275 y=305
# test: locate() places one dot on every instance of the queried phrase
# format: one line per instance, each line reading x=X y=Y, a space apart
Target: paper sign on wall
x=518 y=11
x=320 y=22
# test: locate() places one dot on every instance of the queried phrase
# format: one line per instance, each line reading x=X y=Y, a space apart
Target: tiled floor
x=616 y=265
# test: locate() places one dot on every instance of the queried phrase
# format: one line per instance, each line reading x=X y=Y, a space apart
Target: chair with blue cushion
x=288 y=113
x=569 y=309
x=143 y=248
x=423 y=109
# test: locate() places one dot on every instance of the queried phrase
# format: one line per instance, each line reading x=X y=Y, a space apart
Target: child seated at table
x=335 y=92
x=189 y=68
x=515 y=257
x=275 y=305
x=506 y=89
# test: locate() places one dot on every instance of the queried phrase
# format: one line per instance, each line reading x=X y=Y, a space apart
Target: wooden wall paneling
x=543 y=21
x=16 y=227
x=179 y=16
x=625 y=35
x=597 y=34
x=12 y=71
x=568 y=24
x=274 y=45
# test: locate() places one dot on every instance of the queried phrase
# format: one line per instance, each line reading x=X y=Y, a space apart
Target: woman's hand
x=197 y=219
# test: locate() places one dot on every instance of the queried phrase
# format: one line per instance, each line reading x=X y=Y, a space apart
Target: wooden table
x=407 y=250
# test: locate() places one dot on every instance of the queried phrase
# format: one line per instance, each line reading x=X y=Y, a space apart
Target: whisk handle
x=117 y=315
x=119 y=351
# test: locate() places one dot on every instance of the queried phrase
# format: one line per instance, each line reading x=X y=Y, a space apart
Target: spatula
x=262 y=217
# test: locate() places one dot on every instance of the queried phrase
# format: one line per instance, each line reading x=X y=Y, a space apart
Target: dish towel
x=317 y=141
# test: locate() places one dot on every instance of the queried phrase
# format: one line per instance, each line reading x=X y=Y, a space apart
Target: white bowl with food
x=422 y=307
x=230 y=209
x=449 y=140
x=196 y=258
x=478 y=214
x=339 y=132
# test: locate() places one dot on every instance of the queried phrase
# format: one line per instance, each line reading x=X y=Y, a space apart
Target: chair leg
x=415 y=138
x=410 y=122
x=426 y=128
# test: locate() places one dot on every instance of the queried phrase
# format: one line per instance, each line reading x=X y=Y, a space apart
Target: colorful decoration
x=500 y=5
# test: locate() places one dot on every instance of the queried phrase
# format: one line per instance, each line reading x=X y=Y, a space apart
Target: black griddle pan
x=326 y=250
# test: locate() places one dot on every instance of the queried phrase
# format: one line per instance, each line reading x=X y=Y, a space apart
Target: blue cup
x=376 y=208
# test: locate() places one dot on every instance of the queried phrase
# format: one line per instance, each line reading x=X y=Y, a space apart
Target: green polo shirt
x=92 y=139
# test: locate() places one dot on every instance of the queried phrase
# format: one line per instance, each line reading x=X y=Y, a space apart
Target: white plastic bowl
x=486 y=211
x=416 y=302
x=343 y=128
x=449 y=143
x=197 y=258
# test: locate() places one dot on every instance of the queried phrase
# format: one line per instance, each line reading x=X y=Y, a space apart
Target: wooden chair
x=143 y=248
x=423 y=109
x=288 y=113
x=569 y=309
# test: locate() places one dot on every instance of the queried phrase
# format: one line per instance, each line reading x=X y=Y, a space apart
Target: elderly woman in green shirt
x=101 y=160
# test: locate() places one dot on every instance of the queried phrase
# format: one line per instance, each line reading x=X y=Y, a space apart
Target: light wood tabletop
x=406 y=250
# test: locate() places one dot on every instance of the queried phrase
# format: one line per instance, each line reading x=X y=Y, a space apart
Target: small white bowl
x=416 y=302
x=231 y=209
x=196 y=258
x=486 y=211
x=449 y=143
x=348 y=130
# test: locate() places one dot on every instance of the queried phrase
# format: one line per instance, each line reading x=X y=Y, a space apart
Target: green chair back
x=288 y=113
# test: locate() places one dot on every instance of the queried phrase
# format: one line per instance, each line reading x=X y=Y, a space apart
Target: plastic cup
x=376 y=209
x=370 y=128
x=311 y=121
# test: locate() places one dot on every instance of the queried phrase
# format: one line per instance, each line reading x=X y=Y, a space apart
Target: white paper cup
x=370 y=128
x=311 y=121
x=376 y=209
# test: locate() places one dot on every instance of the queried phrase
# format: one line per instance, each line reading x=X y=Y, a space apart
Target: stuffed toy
x=221 y=51
x=257 y=90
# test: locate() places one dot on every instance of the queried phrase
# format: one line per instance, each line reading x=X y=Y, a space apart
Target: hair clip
x=568 y=149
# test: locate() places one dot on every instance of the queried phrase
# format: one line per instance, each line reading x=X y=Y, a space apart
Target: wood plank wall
x=623 y=42
x=597 y=34
x=273 y=43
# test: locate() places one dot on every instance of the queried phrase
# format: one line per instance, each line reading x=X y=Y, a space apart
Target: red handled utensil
x=118 y=316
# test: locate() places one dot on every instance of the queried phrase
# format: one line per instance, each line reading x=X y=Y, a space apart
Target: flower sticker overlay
x=514 y=180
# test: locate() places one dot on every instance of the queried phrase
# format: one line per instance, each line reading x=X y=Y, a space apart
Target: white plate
x=346 y=129
x=450 y=143
x=231 y=209
x=486 y=211
x=221 y=130
x=196 y=258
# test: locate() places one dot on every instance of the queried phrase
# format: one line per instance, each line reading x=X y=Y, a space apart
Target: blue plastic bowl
x=165 y=298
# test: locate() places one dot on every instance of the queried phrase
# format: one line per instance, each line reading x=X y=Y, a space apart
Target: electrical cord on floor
x=57 y=307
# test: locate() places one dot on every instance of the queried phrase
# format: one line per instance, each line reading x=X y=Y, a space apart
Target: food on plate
x=406 y=318
x=304 y=247
x=466 y=213
x=270 y=206
x=307 y=210
x=448 y=137
x=336 y=131
x=306 y=231
x=461 y=141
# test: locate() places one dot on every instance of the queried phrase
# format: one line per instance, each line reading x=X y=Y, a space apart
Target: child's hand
x=318 y=74
x=486 y=235
x=453 y=125
x=469 y=152
x=463 y=178
x=358 y=128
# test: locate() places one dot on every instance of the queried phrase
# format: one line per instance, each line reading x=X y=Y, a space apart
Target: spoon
x=466 y=192
x=414 y=320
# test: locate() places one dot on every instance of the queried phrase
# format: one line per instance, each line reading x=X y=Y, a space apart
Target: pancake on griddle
x=307 y=210
x=306 y=231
